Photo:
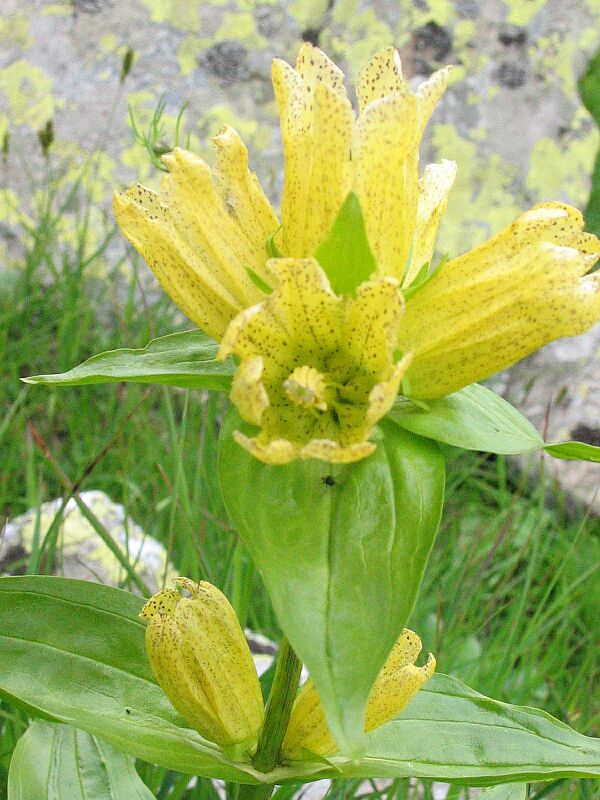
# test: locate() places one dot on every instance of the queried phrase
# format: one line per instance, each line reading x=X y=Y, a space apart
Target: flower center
x=306 y=387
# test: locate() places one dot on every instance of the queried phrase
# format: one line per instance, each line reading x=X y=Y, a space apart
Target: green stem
x=279 y=707
x=277 y=716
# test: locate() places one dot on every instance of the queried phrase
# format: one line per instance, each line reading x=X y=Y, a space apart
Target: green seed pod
x=201 y=660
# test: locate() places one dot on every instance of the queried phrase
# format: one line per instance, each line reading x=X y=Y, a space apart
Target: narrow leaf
x=574 y=451
x=346 y=255
x=473 y=418
x=342 y=550
x=59 y=762
x=185 y=359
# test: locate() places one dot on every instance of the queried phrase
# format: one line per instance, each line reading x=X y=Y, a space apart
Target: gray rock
x=80 y=552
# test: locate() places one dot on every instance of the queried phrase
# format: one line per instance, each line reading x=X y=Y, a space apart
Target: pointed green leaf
x=574 y=451
x=59 y=762
x=184 y=359
x=450 y=732
x=342 y=550
x=473 y=418
x=346 y=255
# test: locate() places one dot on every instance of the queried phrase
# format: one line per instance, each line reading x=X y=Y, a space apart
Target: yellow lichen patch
x=202 y=662
x=396 y=684
x=29 y=94
x=199 y=250
x=501 y=301
x=317 y=370
x=181 y=14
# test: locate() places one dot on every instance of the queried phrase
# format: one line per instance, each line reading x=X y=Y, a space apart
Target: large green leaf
x=341 y=550
x=473 y=418
x=181 y=359
x=574 y=451
x=346 y=255
x=75 y=651
x=450 y=732
x=59 y=762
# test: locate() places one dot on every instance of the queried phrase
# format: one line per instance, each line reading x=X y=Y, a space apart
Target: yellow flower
x=396 y=685
x=328 y=153
x=202 y=232
x=501 y=301
x=201 y=660
x=317 y=371
x=315 y=388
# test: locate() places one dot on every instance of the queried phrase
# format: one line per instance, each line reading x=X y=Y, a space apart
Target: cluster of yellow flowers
x=316 y=370
x=201 y=659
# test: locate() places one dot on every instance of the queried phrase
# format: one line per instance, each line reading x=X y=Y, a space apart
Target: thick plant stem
x=277 y=716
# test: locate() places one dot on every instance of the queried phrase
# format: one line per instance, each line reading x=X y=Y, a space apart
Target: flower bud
x=202 y=662
x=396 y=684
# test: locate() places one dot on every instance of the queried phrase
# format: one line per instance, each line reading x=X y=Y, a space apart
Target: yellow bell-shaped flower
x=396 y=684
x=310 y=379
x=202 y=662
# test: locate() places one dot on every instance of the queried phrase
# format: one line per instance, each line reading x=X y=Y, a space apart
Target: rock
x=81 y=553
x=558 y=390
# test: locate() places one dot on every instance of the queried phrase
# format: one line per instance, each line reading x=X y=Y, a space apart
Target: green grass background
x=511 y=597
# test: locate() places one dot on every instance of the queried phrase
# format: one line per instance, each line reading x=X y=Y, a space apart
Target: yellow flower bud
x=396 y=685
x=201 y=660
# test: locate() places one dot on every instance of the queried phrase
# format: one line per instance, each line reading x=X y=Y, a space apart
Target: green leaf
x=59 y=762
x=450 y=732
x=184 y=359
x=346 y=255
x=473 y=418
x=74 y=651
x=574 y=451
x=341 y=549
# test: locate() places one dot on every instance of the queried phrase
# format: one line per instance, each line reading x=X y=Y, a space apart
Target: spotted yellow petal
x=501 y=301
x=248 y=392
x=428 y=95
x=372 y=323
x=392 y=693
x=381 y=77
x=147 y=223
x=197 y=249
x=383 y=395
x=385 y=178
x=316 y=123
x=243 y=196
x=396 y=684
x=434 y=189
